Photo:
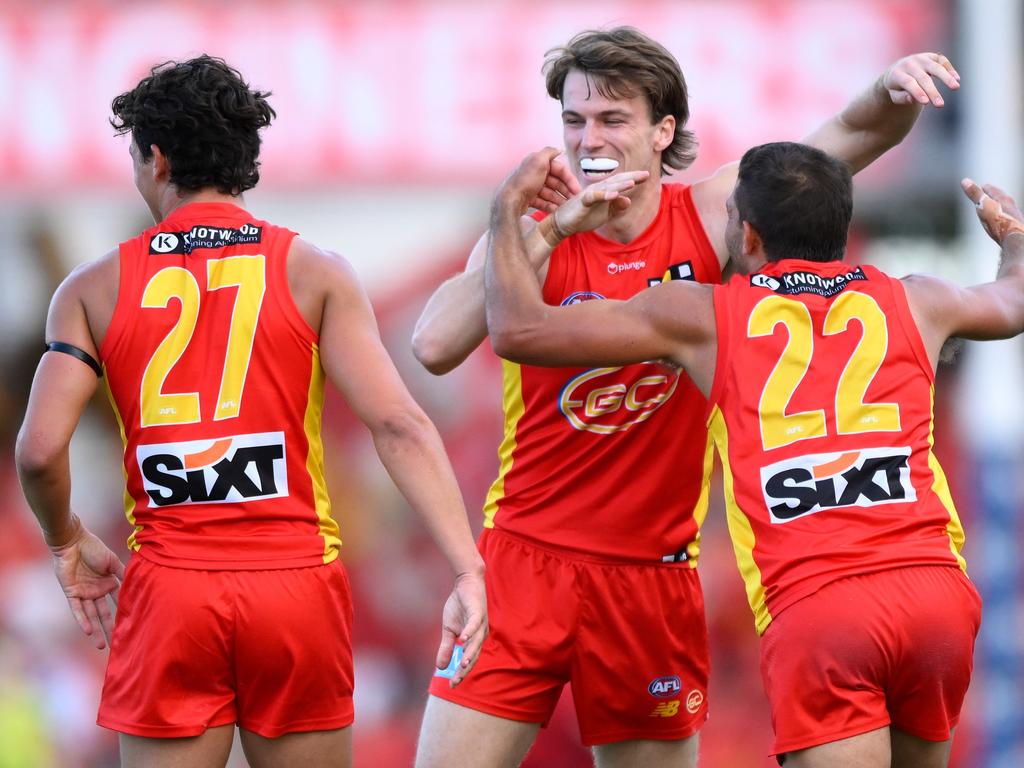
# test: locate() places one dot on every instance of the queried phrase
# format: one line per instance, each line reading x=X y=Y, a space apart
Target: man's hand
x=464 y=621
x=996 y=210
x=910 y=80
x=88 y=572
x=559 y=186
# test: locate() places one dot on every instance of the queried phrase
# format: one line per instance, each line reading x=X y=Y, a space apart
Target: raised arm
x=869 y=126
x=88 y=571
x=992 y=310
x=673 y=321
x=452 y=324
x=409 y=446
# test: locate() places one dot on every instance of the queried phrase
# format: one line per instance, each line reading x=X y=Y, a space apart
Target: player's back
x=822 y=413
x=216 y=380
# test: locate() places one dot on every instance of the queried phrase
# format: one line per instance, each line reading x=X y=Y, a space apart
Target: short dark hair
x=797 y=198
x=204 y=117
x=624 y=62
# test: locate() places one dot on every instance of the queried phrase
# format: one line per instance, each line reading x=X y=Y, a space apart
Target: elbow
x=431 y=353
x=403 y=426
x=509 y=342
x=34 y=457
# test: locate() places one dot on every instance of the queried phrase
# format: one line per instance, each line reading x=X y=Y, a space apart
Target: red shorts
x=889 y=648
x=269 y=650
x=630 y=638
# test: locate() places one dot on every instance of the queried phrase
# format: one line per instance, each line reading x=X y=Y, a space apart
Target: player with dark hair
x=819 y=377
x=215 y=332
x=603 y=479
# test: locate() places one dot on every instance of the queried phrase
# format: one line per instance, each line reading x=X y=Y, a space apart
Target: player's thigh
x=655 y=754
x=911 y=752
x=311 y=749
x=208 y=750
x=865 y=750
x=453 y=735
x=640 y=665
x=293 y=651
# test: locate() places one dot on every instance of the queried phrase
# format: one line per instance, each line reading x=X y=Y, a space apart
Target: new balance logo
x=666 y=709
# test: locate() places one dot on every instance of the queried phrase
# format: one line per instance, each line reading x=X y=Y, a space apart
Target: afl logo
x=579 y=297
x=164 y=242
x=665 y=687
x=608 y=400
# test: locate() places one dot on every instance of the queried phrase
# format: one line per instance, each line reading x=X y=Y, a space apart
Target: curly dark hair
x=625 y=62
x=204 y=117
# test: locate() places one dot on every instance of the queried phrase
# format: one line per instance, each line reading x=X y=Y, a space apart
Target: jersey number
x=853 y=415
x=248 y=274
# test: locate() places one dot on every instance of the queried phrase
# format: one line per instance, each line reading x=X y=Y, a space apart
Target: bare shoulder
x=929 y=294
x=83 y=304
x=316 y=275
x=710 y=193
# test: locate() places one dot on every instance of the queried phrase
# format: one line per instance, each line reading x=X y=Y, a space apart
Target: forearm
x=47 y=488
x=414 y=456
x=512 y=290
x=868 y=127
x=452 y=324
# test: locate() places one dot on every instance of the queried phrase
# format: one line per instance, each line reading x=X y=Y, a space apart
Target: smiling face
x=606 y=135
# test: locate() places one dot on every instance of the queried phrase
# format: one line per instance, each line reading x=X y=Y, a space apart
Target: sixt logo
x=607 y=400
x=579 y=297
x=204 y=236
x=231 y=469
x=808 y=484
x=665 y=687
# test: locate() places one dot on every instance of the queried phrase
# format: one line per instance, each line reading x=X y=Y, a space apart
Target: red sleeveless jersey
x=611 y=462
x=216 y=382
x=821 y=410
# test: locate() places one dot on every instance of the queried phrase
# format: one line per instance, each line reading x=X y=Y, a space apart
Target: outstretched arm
x=673 y=321
x=452 y=324
x=992 y=310
x=406 y=441
x=87 y=570
x=873 y=123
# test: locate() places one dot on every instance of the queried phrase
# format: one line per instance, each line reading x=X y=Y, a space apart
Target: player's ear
x=664 y=132
x=161 y=165
x=752 y=244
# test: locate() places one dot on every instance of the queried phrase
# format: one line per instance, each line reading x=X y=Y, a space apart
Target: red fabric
x=610 y=461
x=262 y=512
x=270 y=650
x=843 y=662
x=598 y=625
x=876 y=519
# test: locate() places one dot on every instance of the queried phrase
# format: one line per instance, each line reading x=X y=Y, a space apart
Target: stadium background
x=396 y=119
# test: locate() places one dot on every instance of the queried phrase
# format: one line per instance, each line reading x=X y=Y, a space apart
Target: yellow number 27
x=248 y=274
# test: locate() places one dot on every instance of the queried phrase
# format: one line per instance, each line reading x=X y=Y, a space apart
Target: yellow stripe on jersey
x=739 y=528
x=940 y=488
x=700 y=509
x=129 y=500
x=315 y=460
x=513 y=408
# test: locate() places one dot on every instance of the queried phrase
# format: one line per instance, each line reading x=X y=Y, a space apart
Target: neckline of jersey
x=207 y=209
x=613 y=248
x=784 y=265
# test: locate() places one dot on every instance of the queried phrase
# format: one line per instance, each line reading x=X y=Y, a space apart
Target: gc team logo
x=808 y=484
x=233 y=469
x=694 y=699
x=579 y=297
x=607 y=400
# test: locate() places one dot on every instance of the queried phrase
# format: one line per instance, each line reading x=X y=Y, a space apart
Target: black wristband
x=80 y=354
